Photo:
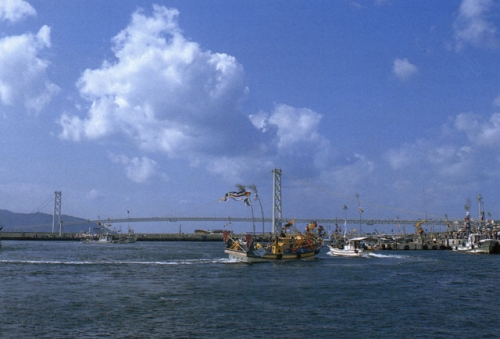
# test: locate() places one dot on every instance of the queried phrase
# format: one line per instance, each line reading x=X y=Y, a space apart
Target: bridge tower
x=57 y=212
x=277 y=215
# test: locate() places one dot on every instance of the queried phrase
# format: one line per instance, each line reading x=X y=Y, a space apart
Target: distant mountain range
x=40 y=222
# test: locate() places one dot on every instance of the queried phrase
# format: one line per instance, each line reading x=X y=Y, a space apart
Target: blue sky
x=160 y=108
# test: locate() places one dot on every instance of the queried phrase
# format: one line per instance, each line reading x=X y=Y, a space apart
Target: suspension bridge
x=367 y=222
x=276 y=220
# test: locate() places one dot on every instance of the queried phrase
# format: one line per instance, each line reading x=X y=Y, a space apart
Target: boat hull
x=125 y=240
x=348 y=252
x=354 y=247
x=250 y=257
x=104 y=239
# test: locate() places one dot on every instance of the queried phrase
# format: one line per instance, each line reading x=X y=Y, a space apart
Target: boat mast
x=256 y=196
x=277 y=216
x=479 y=201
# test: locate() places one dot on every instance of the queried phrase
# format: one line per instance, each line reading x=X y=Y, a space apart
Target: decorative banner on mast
x=242 y=195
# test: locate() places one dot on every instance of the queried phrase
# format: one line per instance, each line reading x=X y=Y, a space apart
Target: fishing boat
x=285 y=243
x=475 y=243
x=478 y=240
x=354 y=247
x=128 y=238
x=103 y=236
x=291 y=245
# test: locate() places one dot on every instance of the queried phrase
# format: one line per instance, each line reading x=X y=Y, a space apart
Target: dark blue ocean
x=51 y=289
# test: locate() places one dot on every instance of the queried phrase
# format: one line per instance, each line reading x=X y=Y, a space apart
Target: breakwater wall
x=34 y=236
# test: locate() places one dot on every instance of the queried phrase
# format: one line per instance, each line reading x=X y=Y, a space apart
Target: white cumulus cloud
x=292 y=135
x=137 y=169
x=473 y=25
x=404 y=69
x=163 y=91
x=15 y=10
x=23 y=78
x=482 y=133
x=293 y=126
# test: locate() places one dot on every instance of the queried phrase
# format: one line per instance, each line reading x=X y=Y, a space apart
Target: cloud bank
x=166 y=95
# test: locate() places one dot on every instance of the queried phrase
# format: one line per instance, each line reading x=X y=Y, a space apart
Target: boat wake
x=229 y=261
x=364 y=255
x=96 y=263
x=387 y=256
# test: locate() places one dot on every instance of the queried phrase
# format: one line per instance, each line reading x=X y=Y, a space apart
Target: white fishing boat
x=475 y=243
x=354 y=247
x=103 y=237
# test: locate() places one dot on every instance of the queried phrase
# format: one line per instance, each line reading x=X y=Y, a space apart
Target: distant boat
x=103 y=237
x=477 y=241
x=354 y=247
x=128 y=238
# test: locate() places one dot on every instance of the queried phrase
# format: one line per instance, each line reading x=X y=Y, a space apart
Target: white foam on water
x=388 y=256
x=86 y=262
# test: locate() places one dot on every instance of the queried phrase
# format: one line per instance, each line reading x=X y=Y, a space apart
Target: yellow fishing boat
x=290 y=245
x=285 y=243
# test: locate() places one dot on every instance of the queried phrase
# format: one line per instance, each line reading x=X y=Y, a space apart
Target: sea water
x=51 y=289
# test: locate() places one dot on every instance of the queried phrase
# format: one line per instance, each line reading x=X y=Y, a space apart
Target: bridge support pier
x=57 y=212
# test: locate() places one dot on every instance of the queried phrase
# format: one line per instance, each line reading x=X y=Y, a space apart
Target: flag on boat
x=242 y=195
x=360 y=209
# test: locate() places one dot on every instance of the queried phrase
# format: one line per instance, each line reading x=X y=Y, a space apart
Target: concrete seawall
x=33 y=236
